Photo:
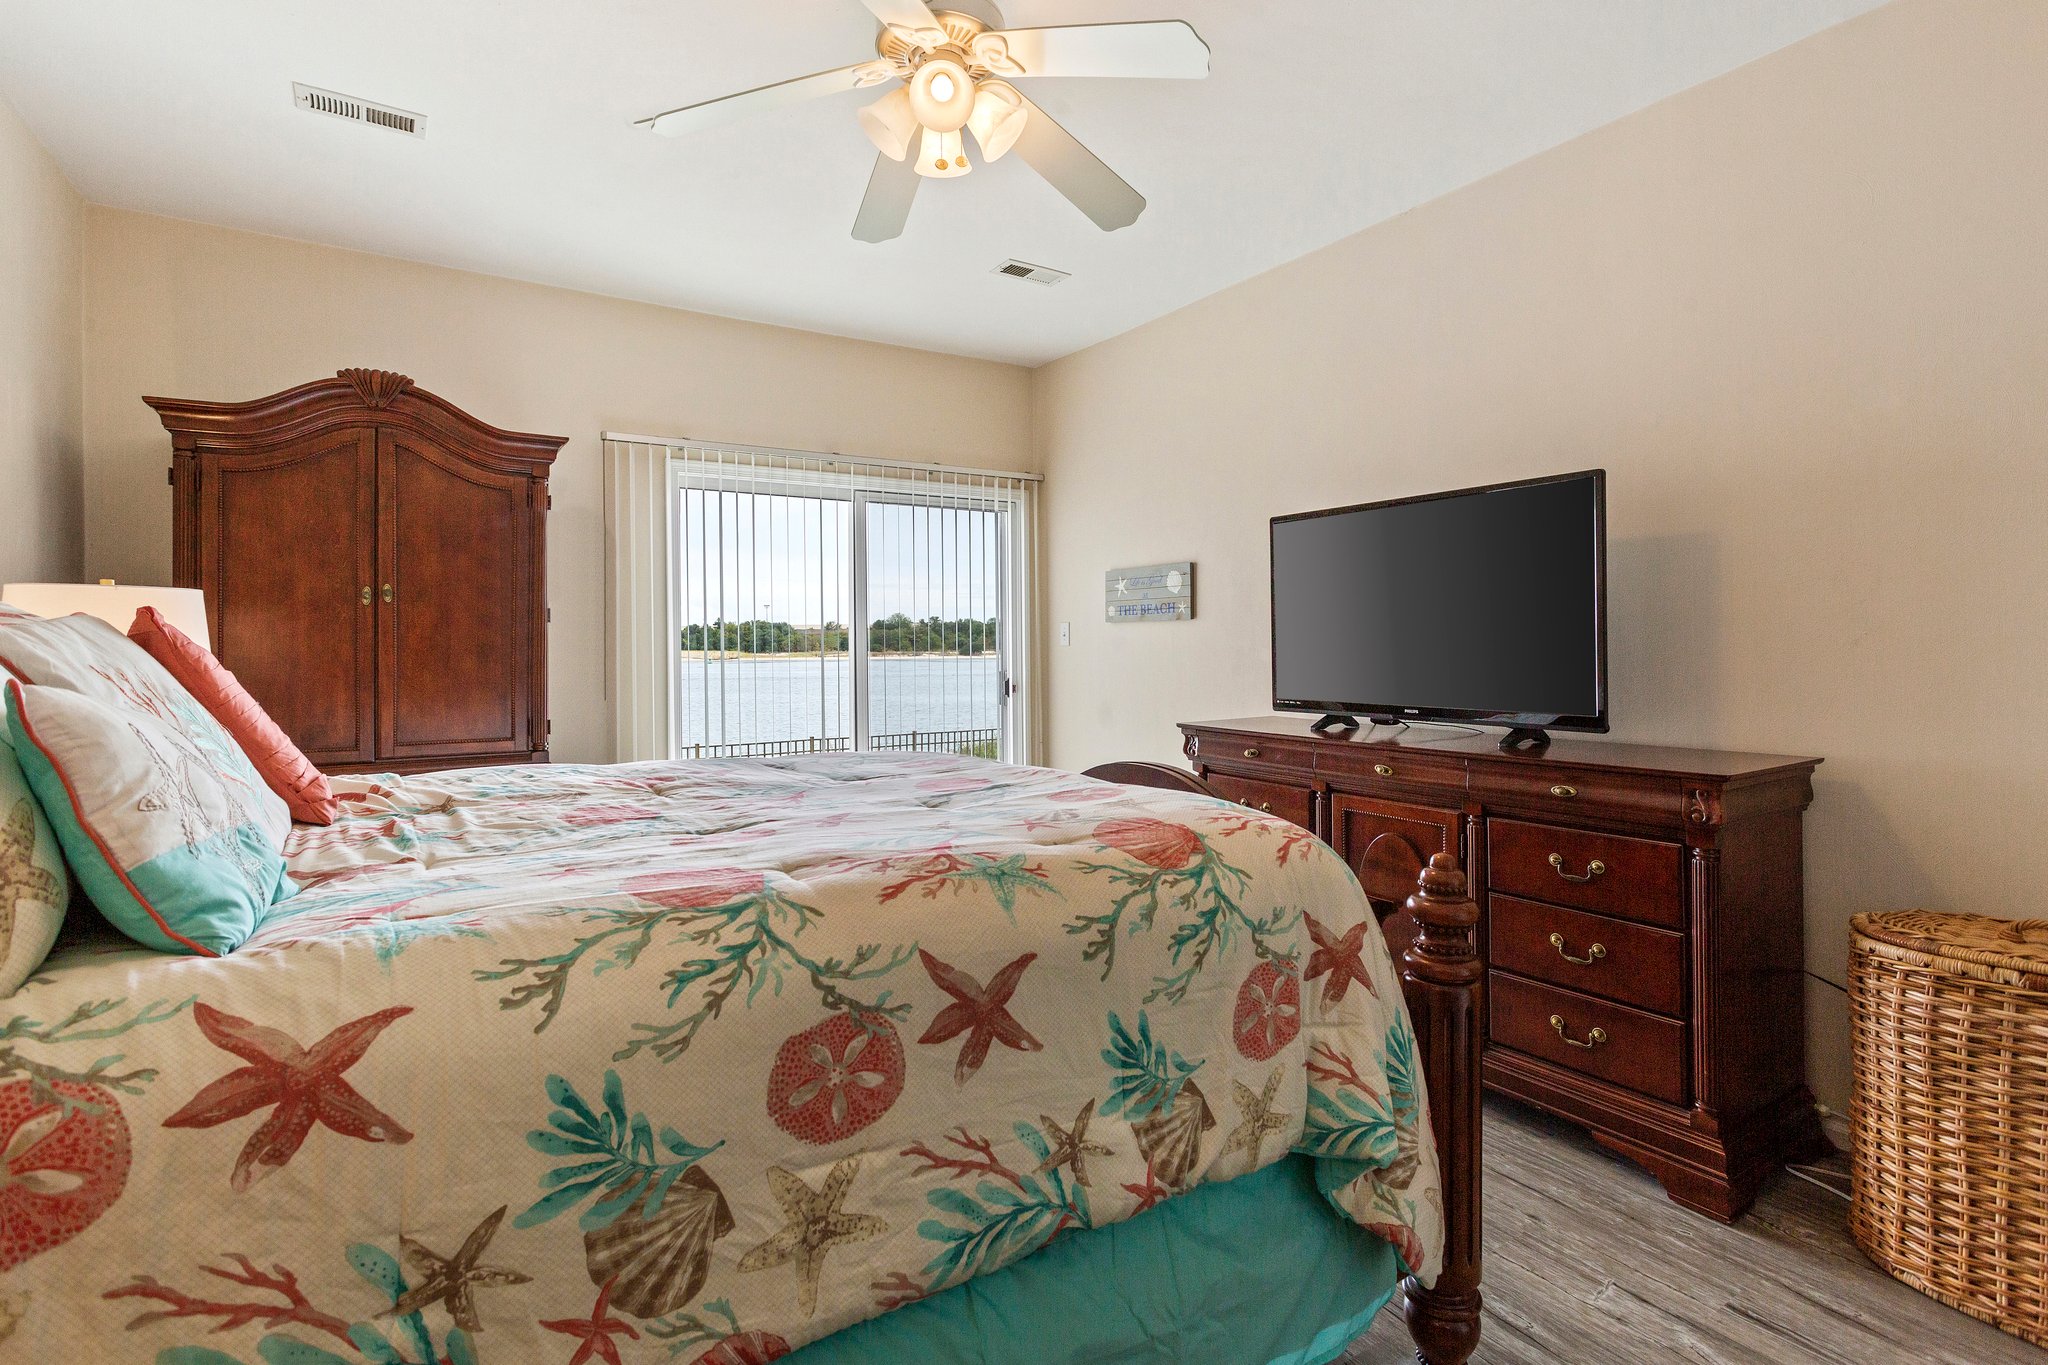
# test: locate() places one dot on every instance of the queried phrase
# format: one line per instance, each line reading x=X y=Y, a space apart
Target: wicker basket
x=1949 y=1118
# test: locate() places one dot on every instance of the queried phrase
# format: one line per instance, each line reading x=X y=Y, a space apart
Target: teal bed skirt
x=1254 y=1271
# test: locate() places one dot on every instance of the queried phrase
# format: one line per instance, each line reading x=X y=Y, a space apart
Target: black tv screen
x=1485 y=604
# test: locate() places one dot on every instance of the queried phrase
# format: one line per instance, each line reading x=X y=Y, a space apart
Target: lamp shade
x=890 y=124
x=943 y=155
x=942 y=94
x=114 y=603
x=999 y=118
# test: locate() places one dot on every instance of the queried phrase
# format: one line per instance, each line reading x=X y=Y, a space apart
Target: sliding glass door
x=825 y=605
x=936 y=634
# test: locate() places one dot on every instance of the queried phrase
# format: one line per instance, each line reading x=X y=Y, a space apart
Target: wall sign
x=1155 y=592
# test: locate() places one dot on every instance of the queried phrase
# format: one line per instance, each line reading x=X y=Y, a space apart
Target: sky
x=748 y=556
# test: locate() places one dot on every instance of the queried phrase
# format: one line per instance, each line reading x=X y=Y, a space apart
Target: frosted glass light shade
x=943 y=155
x=890 y=124
x=114 y=603
x=942 y=95
x=999 y=118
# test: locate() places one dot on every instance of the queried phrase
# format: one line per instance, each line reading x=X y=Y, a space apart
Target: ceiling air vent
x=1037 y=274
x=355 y=110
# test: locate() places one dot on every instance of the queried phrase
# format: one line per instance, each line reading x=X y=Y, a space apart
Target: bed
x=849 y=1059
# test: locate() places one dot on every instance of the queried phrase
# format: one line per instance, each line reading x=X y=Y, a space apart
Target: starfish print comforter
x=692 y=1062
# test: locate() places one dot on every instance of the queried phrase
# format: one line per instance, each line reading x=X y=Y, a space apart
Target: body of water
x=772 y=700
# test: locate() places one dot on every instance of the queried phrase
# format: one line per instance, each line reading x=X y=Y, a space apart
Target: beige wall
x=1800 y=314
x=41 y=217
x=202 y=312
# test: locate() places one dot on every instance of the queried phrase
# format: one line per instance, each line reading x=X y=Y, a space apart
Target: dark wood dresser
x=1641 y=921
x=375 y=567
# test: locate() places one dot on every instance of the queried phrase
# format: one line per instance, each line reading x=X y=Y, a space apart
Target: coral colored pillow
x=286 y=770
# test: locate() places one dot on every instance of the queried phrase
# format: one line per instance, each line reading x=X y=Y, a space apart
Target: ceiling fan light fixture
x=943 y=156
x=890 y=124
x=998 y=119
x=942 y=94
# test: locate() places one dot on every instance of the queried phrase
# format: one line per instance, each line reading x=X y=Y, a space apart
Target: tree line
x=897 y=634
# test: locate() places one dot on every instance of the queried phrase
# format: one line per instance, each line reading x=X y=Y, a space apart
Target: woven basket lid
x=2011 y=952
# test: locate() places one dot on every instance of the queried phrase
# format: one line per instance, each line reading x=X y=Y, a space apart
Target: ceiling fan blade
x=891 y=191
x=914 y=16
x=1078 y=173
x=1166 y=49
x=692 y=117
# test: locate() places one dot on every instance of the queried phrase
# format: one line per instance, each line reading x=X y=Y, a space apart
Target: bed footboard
x=1442 y=976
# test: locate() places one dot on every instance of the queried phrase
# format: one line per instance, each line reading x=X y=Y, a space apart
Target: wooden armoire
x=374 y=563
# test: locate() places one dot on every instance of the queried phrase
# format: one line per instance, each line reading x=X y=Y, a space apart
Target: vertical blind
x=770 y=602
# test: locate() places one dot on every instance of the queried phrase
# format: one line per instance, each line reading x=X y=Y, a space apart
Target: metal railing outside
x=968 y=743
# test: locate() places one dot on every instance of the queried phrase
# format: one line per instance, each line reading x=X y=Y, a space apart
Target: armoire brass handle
x=1593 y=1039
x=1593 y=954
x=388 y=594
x=366 y=595
x=1593 y=869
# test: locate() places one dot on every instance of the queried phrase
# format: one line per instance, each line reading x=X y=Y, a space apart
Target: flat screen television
x=1483 y=605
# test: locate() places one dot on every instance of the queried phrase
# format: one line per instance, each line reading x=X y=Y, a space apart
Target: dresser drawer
x=1615 y=875
x=1627 y=962
x=1592 y=1037
x=1558 y=791
x=1274 y=798
x=1382 y=768
x=1238 y=750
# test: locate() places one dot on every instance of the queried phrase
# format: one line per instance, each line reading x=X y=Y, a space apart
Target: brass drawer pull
x=1251 y=753
x=1264 y=807
x=1593 y=1039
x=1566 y=792
x=1593 y=869
x=366 y=595
x=1383 y=769
x=1593 y=954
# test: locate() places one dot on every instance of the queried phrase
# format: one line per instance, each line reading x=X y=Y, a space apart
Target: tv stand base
x=1525 y=739
x=1335 y=721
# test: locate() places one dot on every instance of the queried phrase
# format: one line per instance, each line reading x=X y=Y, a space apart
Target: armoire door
x=290 y=549
x=456 y=597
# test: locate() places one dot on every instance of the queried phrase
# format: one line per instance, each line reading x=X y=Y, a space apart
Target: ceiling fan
x=954 y=67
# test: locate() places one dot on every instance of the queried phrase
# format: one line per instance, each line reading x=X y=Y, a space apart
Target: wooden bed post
x=1443 y=977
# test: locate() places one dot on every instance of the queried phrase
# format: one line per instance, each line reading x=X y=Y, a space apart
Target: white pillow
x=34 y=890
x=161 y=840
x=84 y=654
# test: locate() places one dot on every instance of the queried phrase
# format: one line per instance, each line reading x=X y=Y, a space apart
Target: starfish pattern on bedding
x=594 y=1333
x=23 y=881
x=304 y=1084
x=452 y=1281
x=983 y=1014
x=815 y=1226
x=1259 y=1120
x=1071 y=1147
x=1339 y=957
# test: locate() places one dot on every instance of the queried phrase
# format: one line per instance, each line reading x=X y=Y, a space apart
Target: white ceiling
x=1321 y=117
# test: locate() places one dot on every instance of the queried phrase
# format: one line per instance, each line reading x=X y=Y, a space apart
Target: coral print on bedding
x=643 y=1063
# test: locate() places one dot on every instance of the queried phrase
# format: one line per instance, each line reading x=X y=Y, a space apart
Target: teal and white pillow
x=84 y=654
x=34 y=892
x=163 y=841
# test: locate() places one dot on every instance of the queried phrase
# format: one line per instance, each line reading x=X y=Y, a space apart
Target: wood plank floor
x=1587 y=1263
